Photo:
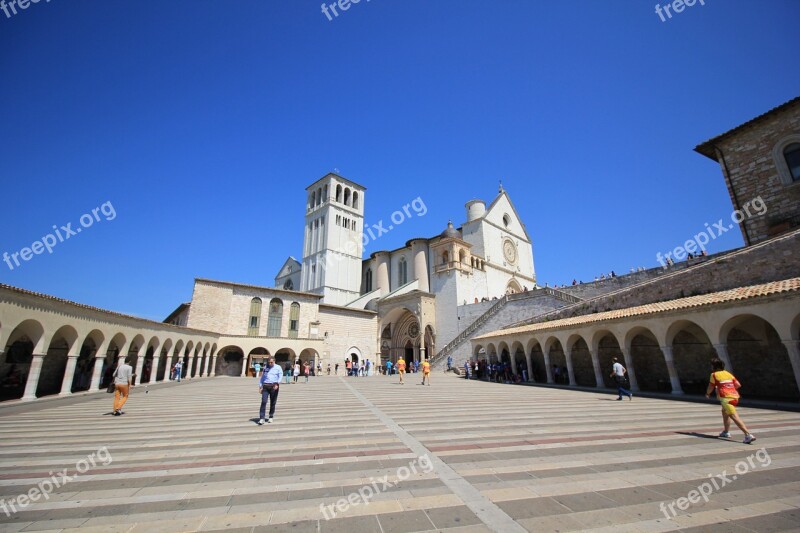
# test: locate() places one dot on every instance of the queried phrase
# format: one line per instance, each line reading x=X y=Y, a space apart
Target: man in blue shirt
x=268 y=387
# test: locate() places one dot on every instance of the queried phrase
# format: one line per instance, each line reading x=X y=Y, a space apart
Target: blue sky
x=203 y=122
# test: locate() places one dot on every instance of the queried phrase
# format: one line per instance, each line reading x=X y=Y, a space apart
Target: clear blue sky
x=203 y=122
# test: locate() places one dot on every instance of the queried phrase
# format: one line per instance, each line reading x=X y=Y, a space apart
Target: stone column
x=547 y=367
x=722 y=353
x=97 y=373
x=598 y=374
x=33 y=377
x=244 y=366
x=794 y=358
x=570 y=371
x=418 y=251
x=626 y=354
x=140 y=365
x=69 y=375
x=673 y=372
x=382 y=272
x=530 y=366
x=513 y=358
x=212 y=371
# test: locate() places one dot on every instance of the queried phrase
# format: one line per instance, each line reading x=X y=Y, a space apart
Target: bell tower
x=332 y=246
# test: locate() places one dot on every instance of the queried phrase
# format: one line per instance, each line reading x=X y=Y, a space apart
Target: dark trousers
x=268 y=393
x=621 y=383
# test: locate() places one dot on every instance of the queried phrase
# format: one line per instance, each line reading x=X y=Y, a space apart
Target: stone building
x=761 y=158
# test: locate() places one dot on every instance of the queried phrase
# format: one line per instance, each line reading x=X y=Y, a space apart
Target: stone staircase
x=484 y=323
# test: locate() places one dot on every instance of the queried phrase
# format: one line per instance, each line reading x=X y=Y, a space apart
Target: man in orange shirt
x=401 y=368
x=726 y=385
x=426 y=372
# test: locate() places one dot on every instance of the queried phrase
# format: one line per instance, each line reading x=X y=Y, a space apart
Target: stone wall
x=343 y=329
x=772 y=260
x=754 y=172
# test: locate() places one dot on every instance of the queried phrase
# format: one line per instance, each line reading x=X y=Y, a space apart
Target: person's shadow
x=702 y=435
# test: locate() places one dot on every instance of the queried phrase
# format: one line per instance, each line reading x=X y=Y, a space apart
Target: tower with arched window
x=332 y=246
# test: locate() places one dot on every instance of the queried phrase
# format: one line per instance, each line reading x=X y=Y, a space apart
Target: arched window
x=339 y=193
x=311 y=200
x=368 y=281
x=506 y=220
x=275 y=316
x=402 y=272
x=255 y=317
x=445 y=257
x=347 y=196
x=355 y=200
x=792 y=156
x=289 y=286
x=325 y=194
x=294 y=320
x=462 y=256
x=319 y=196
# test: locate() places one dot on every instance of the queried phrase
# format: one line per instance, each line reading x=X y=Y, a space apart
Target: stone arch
x=513 y=287
x=230 y=361
x=539 y=370
x=311 y=356
x=760 y=360
x=503 y=353
x=257 y=355
x=648 y=360
x=347 y=193
x=691 y=351
x=607 y=346
x=115 y=346
x=339 y=193
x=558 y=360
x=285 y=355
x=491 y=353
x=582 y=365
x=355 y=199
x=84 y=366
x=159 y=368
x=54 y=364
x=15 y=362
x=520 y=361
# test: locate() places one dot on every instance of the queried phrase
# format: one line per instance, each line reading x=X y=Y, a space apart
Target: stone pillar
x=570 y=371
x=598 y=374
x=212 y=367
x=513 y=358
x=673 y=372
x=419 y=252
x=33 y=377
x=547 y=367
x=140 y=366
x=69 y=375
x=97 y=373
x=530 y=366
x=794 y=358
x=244 y=366
x=382 y=272
x=722 y=353
x=626 y=355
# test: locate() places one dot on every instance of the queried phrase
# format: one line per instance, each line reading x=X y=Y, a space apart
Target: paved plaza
x=455 y=456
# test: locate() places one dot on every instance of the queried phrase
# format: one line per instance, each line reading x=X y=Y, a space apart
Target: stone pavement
x=458 y=456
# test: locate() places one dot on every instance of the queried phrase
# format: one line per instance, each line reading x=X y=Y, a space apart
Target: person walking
x=449 y=363
x=727 y=387
x=178 y=370
x=401 y=369
x=296 y=371
x=426 y=372
x=287 y=372
x=466 y=369
x=336 y=369
x=306 y=371
x=618 y=373
x=257 y=368
x=123 y=377
x=388 y=367
x=268 y=385
x=329 y=369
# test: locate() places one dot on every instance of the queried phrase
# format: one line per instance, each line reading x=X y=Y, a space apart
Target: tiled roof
x=703 y=300
x=26 y=292
x=706 y=147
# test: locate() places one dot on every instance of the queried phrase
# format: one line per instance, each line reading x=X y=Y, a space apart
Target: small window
x=255 y=314
x=402 y=274
x=368 y=282
x=275 y=316
x=792 y=156
x=339 y=193
x=355 y=200
x=294 y=320
x=506 y=220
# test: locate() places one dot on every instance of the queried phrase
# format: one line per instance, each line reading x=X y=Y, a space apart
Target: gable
x=503 y=214
x=290 y=266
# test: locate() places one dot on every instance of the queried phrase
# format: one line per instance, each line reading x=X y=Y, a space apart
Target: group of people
x=400 y=367
x=356 y=368
x=496 y=372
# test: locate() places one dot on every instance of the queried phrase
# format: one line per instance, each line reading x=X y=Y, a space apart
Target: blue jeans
x=621 y=390
x=269 y=393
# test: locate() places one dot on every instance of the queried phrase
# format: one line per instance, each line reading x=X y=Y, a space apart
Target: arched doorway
x=230 y=361
x=648 y=361
x=55 y=362
x=84 y=366
x=582 y=365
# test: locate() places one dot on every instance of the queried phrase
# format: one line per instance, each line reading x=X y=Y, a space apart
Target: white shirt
x=618 y=369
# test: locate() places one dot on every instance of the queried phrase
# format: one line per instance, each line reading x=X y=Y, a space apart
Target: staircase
x=492 y=311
